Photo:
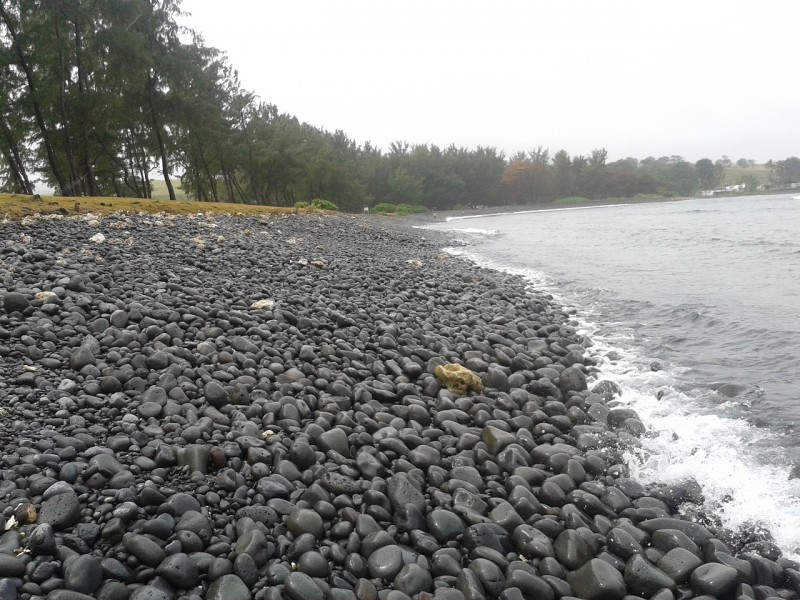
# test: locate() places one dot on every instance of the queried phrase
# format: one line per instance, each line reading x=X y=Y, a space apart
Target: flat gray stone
x=61 y=511
x=231 y=587
x=597 y=580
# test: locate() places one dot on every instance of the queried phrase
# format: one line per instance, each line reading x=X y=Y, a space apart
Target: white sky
x=697 y=78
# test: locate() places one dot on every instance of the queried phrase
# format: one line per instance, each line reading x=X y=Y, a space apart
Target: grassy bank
x=16 y=206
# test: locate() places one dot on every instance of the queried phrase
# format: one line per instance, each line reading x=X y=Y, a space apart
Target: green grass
x=17 y=206
x=397 y=210
x=158 y=189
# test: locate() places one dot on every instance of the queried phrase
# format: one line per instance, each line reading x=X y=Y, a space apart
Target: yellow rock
x=25 y=514
x=459 y=380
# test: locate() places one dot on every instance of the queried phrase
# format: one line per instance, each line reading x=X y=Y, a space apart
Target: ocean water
x=693 y=308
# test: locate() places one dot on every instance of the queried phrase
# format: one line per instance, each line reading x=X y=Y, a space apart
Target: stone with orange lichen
x=458 y=379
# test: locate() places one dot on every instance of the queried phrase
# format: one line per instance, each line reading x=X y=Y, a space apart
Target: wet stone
x=643 y=579
x=299 y=586
x=678 y=564
x=305 y=521
x=413 y=579
x=180 y=570
x=402 y=491
x=385 y=562
x=143 y=548
x=714 y=579
x=597 y=580
x=83 y=574
x=444 y=525
x=231 y=587
x=572 y=550
x=11 y=566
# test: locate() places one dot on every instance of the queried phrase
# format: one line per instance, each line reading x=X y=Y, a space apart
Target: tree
x=563 y=175
x=527 y=182
x=743 y=163
x=707 y=174
x=14 y=17
x=787 y=171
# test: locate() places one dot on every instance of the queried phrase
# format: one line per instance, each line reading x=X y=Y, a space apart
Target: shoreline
x=254 y=402
x=490 y=211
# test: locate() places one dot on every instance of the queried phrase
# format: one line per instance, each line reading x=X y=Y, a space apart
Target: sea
x=693 y=309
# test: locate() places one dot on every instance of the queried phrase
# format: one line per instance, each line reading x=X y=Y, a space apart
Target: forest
x=100 y=97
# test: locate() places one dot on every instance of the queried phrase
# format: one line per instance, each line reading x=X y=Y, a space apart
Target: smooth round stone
x=219 y=567
x=42 y=541
x=15 y=301
x=489 y=574
x=365 y=590
x=413 y=579
x=679 y=563
x=621 y=543
x=302 y=454
x=424 y=457
x=143 y=548
x=313 y=564
x=490 y=535
x=83 y=574
x=531 y=585
x=179 y=503
x=597 y=580
x=180 y=570
x=245 y=567
x=215 y=394
x=305 y=521
x=643 y=579
x=149 y=410
x=469 y=475
x=334 y=439
x=445 y=525
x=11 y=566
x=446 y=593
x=401 y=491
x=299 y=586
x=714 y=579
x=254 y=543
x=229 y=587
x=62 y=594
x=149 y=592
x=385 y=562
x=572 y=550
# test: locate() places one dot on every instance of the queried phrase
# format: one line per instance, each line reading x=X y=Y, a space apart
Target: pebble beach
x=237 y=407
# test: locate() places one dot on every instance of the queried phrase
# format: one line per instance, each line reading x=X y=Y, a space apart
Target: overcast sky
x=640 y=78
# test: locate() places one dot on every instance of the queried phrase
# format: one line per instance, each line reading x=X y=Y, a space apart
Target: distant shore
x=445 y=215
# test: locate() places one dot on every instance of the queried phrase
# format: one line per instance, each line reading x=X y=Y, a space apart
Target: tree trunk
x=18 y=172
x=88 y=168
x=37 y=109
x=159 y=138
x=65 y=118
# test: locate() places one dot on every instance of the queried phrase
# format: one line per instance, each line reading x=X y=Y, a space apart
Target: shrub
x=323 y=204
x=384 y=208
x=408 y=209
x=301 y=204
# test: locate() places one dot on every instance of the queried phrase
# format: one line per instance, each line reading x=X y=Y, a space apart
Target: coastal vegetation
x=116 y=99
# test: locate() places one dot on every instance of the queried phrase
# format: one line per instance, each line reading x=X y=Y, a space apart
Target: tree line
x=98 y=95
